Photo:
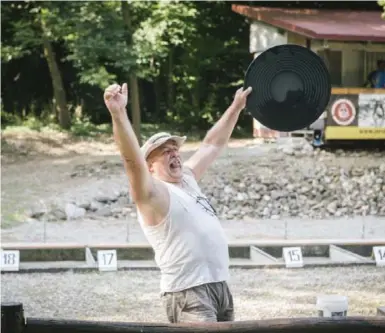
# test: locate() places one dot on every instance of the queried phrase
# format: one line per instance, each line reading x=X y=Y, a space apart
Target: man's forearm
x=221 y=132
x=125 y=138
x=134 y=163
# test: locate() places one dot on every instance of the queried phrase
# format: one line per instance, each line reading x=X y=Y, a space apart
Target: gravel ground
x=134 y=295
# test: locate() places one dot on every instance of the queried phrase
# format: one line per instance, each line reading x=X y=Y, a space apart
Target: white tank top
x=190 y=244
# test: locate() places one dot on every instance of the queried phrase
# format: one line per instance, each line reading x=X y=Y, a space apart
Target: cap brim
x=178 y=139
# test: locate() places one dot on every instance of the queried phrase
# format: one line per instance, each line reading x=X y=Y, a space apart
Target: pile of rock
x=326 y=192
x=288 y=181
x=298 y=181
x=117 y=205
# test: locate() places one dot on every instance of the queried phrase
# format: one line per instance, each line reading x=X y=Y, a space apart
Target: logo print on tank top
x=202 y=201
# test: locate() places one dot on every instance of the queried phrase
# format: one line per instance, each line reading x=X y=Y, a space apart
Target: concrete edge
x=233 y=243
x=81 y=267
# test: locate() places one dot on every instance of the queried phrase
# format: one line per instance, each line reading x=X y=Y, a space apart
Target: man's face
x=165 y=162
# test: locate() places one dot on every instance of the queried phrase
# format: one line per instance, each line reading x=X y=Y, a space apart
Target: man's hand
x=115 y=98
x=218 y=136
x=240 y=98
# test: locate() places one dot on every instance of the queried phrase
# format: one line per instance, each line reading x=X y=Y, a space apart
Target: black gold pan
x=291 y=87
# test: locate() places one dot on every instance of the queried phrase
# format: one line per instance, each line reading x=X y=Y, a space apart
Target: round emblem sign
x=343 y=112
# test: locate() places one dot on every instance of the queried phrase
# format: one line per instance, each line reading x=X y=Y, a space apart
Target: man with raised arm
x=190 y=245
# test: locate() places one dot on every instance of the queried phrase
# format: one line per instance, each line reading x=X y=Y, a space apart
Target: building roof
x=341 y=25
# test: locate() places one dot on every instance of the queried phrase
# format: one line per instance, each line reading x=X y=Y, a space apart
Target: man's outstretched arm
x=149 y=195
x=139 y=177
x=218 y=136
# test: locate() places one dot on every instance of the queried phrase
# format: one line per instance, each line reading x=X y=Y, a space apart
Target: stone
x=83 y=204
x=37 y=211
x=104 y=211
x=74 y=212
x=94 y=206
x=57 y=214
x=123 y=201
x=106 y=198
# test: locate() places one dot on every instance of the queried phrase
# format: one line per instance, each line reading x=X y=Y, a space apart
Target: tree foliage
x=188 y=57
x=382 y=4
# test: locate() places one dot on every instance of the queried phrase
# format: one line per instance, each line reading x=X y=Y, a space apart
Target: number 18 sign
x=292 y=257
x=10 y=260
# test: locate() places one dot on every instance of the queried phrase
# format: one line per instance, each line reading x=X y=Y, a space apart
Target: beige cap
x=158 y=139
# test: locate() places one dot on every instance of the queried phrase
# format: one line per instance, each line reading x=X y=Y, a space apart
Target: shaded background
x=183 y=60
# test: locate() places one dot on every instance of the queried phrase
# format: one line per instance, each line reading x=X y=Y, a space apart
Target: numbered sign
x=379 y=255
x=107 y=260
x=292 y=257
x=10 y=260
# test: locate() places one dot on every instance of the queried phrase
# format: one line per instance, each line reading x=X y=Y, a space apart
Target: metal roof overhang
x=322 y=24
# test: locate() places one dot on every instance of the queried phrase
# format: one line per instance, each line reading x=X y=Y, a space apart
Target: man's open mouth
x=175 y=165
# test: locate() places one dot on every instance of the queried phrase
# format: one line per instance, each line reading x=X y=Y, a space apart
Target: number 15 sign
x=292 y=257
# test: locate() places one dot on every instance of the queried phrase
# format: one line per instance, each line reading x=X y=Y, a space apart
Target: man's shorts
x=212 y=302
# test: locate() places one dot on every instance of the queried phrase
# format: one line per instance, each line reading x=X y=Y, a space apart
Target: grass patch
x=84 y=128
x=79 y=128
x=10 y=220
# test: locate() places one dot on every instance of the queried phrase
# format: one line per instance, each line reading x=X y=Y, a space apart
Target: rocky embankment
x=290 y=180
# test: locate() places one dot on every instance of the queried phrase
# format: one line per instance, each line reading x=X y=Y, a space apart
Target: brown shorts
x=210 y=302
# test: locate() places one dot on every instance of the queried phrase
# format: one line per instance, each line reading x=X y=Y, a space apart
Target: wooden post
x=12 y=318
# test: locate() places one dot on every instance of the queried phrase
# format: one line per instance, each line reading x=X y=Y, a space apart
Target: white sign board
x=292 y=257
x=379 y=255
x=10 y=260
x=107 y=260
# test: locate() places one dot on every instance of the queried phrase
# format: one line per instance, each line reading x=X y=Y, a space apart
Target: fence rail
x=13 y=321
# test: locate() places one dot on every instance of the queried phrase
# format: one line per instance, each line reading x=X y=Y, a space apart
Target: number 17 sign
x=293 y=257
x=107 y=260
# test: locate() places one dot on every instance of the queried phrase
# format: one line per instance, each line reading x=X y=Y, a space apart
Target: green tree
x=157 y=43
x=186 y=58
x=38 y=26
x=382 y=4
x=101 y=47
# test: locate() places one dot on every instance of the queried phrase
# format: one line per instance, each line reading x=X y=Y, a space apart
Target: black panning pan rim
x=291 y=87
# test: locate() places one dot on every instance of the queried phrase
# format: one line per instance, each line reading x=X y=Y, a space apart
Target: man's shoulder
x=187 y=171
x=189 y=178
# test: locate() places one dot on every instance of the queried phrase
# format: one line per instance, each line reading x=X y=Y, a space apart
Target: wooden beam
x=236 y=243
x=341 y=46
x=13 y=322
x=357 y=91
x=285 y=325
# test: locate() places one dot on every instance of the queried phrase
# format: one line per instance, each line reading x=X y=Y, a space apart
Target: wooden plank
x=236 y=243
x=42 y=246
x=307 y=242
x=123 y=265
x=356 y=91
x=287 y=325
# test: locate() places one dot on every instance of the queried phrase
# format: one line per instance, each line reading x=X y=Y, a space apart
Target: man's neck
x=176 y=182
